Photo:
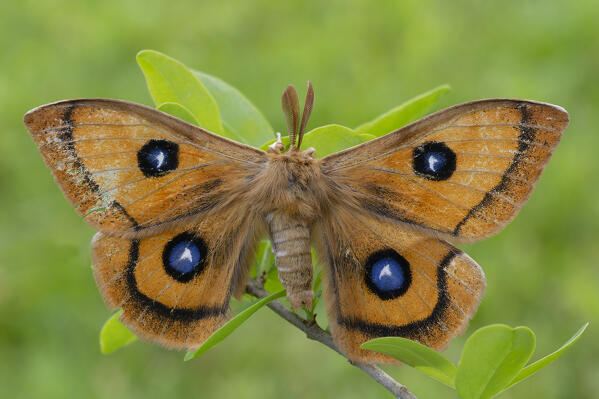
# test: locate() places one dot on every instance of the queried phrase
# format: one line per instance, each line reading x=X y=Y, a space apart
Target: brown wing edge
x=509 y=184
x=35 y=125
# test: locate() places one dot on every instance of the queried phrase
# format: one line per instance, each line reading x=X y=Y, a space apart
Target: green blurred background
x=363 y=57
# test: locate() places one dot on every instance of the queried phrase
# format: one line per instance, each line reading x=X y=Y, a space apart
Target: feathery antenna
x=308 y=105
x=291 y=109
x=290 y=103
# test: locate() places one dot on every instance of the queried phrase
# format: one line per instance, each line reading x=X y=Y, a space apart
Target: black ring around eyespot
x=421 y=156
x=150 y=166
x=186 y=237
x=403 y=264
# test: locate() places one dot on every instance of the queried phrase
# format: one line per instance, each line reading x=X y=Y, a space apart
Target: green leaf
x=242 y=120
x=539 y=364
x=178 y=111
x=239 y=305
x=416 y=355
x=272 y=282
x=320 y=311
x=169 y=81
x=308 y=313
x=492 y=357
x=231 y=325
x=264 y=258
x=404 y=113
x=328 y=139
x=114 y=335
x=316 y=285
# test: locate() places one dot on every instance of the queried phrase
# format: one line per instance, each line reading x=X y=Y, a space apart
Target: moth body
x=291 y=246
x=292 y=181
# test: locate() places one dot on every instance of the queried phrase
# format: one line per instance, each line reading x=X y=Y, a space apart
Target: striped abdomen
x=291 y=245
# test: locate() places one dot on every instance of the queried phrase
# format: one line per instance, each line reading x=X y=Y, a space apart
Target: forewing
x=387 y=281
x=463 y=172
x=175 y=287
x=132 y=170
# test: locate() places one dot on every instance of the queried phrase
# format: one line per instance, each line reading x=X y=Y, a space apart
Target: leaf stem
x=314 y=332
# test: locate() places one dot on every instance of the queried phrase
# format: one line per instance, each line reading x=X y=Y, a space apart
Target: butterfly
x=180 y=212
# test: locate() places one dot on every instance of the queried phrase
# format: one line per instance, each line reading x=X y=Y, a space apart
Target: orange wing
x=388 y=281
x=463 y=172
x=132 y=170
x=175 y=287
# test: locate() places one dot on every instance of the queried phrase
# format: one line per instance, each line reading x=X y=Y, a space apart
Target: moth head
x=295 y=126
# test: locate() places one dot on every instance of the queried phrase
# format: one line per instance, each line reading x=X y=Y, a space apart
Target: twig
x=314 y=332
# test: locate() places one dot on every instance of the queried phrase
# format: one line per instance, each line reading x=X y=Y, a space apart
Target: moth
x=180 y=212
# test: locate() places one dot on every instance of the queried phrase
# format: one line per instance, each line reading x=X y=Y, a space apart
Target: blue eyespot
x=388 y=274
x=434 y=161
x=183 y=256
x=158 y=157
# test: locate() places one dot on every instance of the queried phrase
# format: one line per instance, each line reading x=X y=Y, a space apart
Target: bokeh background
x=363 y=57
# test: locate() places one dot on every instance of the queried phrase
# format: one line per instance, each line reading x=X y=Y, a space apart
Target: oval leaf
x=491 y=358
x=169 y=81
x=404 y=113
x=416 y=355
x=539 y=364
x=241 y=119
x=329 y=139
x=114 y=335
x=178 y=111
x=232 y=325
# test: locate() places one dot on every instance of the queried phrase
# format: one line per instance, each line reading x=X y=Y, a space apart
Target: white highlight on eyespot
x=160 y=159
x=186 y=255
x=386 y=271
x=432 y=161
